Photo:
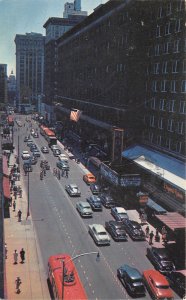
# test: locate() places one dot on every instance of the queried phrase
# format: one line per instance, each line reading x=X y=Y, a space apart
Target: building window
x=171 y=105
x=175 y=66
x=182 y=107
x=184 y=66
x=166 y=48
x=180 y=127
x=152 y=121
x=173 y=86
x=167 y=28
x=157 y=50
x=160 y=123
x=176 y=46
x=169 y=9
x=178 y=25
x=164 y=86
x=168 y=143
x=154 y=85
x=164 y=67
x=159 y=140
x=158 y=31
x=151 y=136
x=153 y=103
x=179 y=5
x=183 y=86
x=160 y=12
x=170 y=125
x=178 y=146
x=156 y=68
x=162 y=105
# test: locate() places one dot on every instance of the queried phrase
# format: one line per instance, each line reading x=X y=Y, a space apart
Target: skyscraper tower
x=77 y=5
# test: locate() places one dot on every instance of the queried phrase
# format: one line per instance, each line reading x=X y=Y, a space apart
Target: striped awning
x=172 y=220
x=5 y=167
x=6 y=188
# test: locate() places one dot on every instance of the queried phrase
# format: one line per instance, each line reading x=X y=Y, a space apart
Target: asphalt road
x=60 y=229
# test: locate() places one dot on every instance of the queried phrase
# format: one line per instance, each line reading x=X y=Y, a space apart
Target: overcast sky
x=21 y=16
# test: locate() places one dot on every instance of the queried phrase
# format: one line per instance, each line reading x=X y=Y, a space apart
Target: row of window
x=173 y=66
x=169 y=28
x=170 y=124
x=166 y=105
x=164 y=85
x=170 y=7
x=168 y=143
x=166 y=48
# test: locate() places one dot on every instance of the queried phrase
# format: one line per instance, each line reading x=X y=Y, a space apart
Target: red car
x=157 y=285
x=89 y=178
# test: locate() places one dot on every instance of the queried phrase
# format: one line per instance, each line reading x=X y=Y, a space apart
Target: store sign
x=109 y=174
x=128 y=181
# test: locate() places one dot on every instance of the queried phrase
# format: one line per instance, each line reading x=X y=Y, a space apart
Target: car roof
x=116 y=223
x=132 y=272
x=95 y=197
x=83 y=203
x=99 y=227
x=73 y=185
x=161 y=252
x=157 y=277
x=120 y=210
x=25 y=151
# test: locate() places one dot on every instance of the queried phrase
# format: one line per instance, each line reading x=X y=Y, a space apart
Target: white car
x=99 y=234
x=119 y=213
x=63 y=157
x=25 y=155
x=84 y=209
x=53 y=147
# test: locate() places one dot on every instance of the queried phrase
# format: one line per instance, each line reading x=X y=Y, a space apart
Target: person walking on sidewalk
x=6 y=251
x=151 y=235
x=22 y=255
x=19 y=213
x=14 y=205
x=15 y=255
x=147 y=230
x=18 y=283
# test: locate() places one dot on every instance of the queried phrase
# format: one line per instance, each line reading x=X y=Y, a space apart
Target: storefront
x=6 y=196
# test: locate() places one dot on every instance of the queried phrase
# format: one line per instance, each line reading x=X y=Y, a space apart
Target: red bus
x=72 y=286
x=42 y=129
x=10 y=120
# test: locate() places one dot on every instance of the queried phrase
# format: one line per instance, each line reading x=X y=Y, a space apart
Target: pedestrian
x=157 y=236
x=163 y=230
x=66 y=173
x=151 y=235
x=6 y=251
x=19 y=213
x=20 y=193
x=18 y=283
x=15 y=256
x=147 y=230
x=18 y=176
x=14 y=205
x=15 y=194
x=22 y=255
x=62 y=173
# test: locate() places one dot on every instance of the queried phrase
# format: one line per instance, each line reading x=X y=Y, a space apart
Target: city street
x=60 y=228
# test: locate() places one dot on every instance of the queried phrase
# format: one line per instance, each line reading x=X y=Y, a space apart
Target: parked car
x=29 y=142
x=26 y=139
x=95 y=188
x=33 y=160
x=36 y=135
x=116 y=230
x=73 y=190
x=53 y=147
x=25 y=155
x=160 y=259
x=33 y=148
x=95 y=202
x=134 y=230
x=63 y=157
x=177 y=282
x=44 y=149
x=36 y=152
x=84 y=209
x=119 y=213
x=89 y=178
x=63 y=165
x=56 y=152
x=157 y=285
x=107 y=200
x=132 y=280
x=99 y=234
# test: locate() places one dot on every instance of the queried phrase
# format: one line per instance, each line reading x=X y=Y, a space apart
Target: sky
x=21 y=16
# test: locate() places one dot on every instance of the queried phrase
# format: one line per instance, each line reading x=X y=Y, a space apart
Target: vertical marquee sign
x=117 y=144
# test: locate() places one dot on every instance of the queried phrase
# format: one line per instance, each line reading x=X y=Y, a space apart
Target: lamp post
x=27 y=170
x=72 y=259
x=18 y=149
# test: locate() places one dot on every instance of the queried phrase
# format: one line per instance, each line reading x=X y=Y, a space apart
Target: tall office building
x=73 y=8
x=3 y=83
x=11 y=85
x=29 y=67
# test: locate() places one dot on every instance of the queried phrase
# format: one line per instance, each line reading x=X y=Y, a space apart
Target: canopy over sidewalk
x=172 y=220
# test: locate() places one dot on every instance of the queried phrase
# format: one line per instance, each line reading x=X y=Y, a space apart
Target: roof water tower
x=77 y=5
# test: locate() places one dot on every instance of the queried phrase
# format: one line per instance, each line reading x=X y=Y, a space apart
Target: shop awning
x=168 y=168
x=172 y=220
x=5 y=167
x=6 y=188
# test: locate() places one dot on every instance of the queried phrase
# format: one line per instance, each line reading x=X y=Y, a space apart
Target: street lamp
x=72 y=259
x=27 y=170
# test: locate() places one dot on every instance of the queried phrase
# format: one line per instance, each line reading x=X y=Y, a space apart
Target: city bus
x=49 y=135
x=68 y=287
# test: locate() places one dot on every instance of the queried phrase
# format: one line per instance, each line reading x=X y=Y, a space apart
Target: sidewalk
x=22 y=235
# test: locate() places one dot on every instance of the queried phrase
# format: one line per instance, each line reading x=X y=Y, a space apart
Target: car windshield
x=123 y=215
x=167 y=263
x=102 y=233
x=164 y=287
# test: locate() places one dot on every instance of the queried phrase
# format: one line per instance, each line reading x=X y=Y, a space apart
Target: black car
x=26 y=139
x=178 y=282
x=160 y=259
x=33 y=160
x=116 y=230
x=95 y=202
x=134 y=230
x=27 y=167
x=95 y=188
x=44 y=149
x=107 y=200
x=132 y=280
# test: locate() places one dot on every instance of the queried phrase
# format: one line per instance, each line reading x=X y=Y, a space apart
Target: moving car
x=44 y=149
x=89 y=178
x=29 y=142
x=95 y=202
x=27 y=167
x=63 y=165
x=63 y=157
x=157 y=285
x=95 y=188
x=33 y=160
x=56 y=152
x=36 y=152
x=116 y=230
x=160 y=259
x=177 y=282
x=99 y=234
x=134 y=230
x=119 y=213
x=132 y=280
x=35 y=135
x=53 y=147
x=33 y=148
x=84 y=209
x=73 y=190
x=107 y=200
x=25 y=155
